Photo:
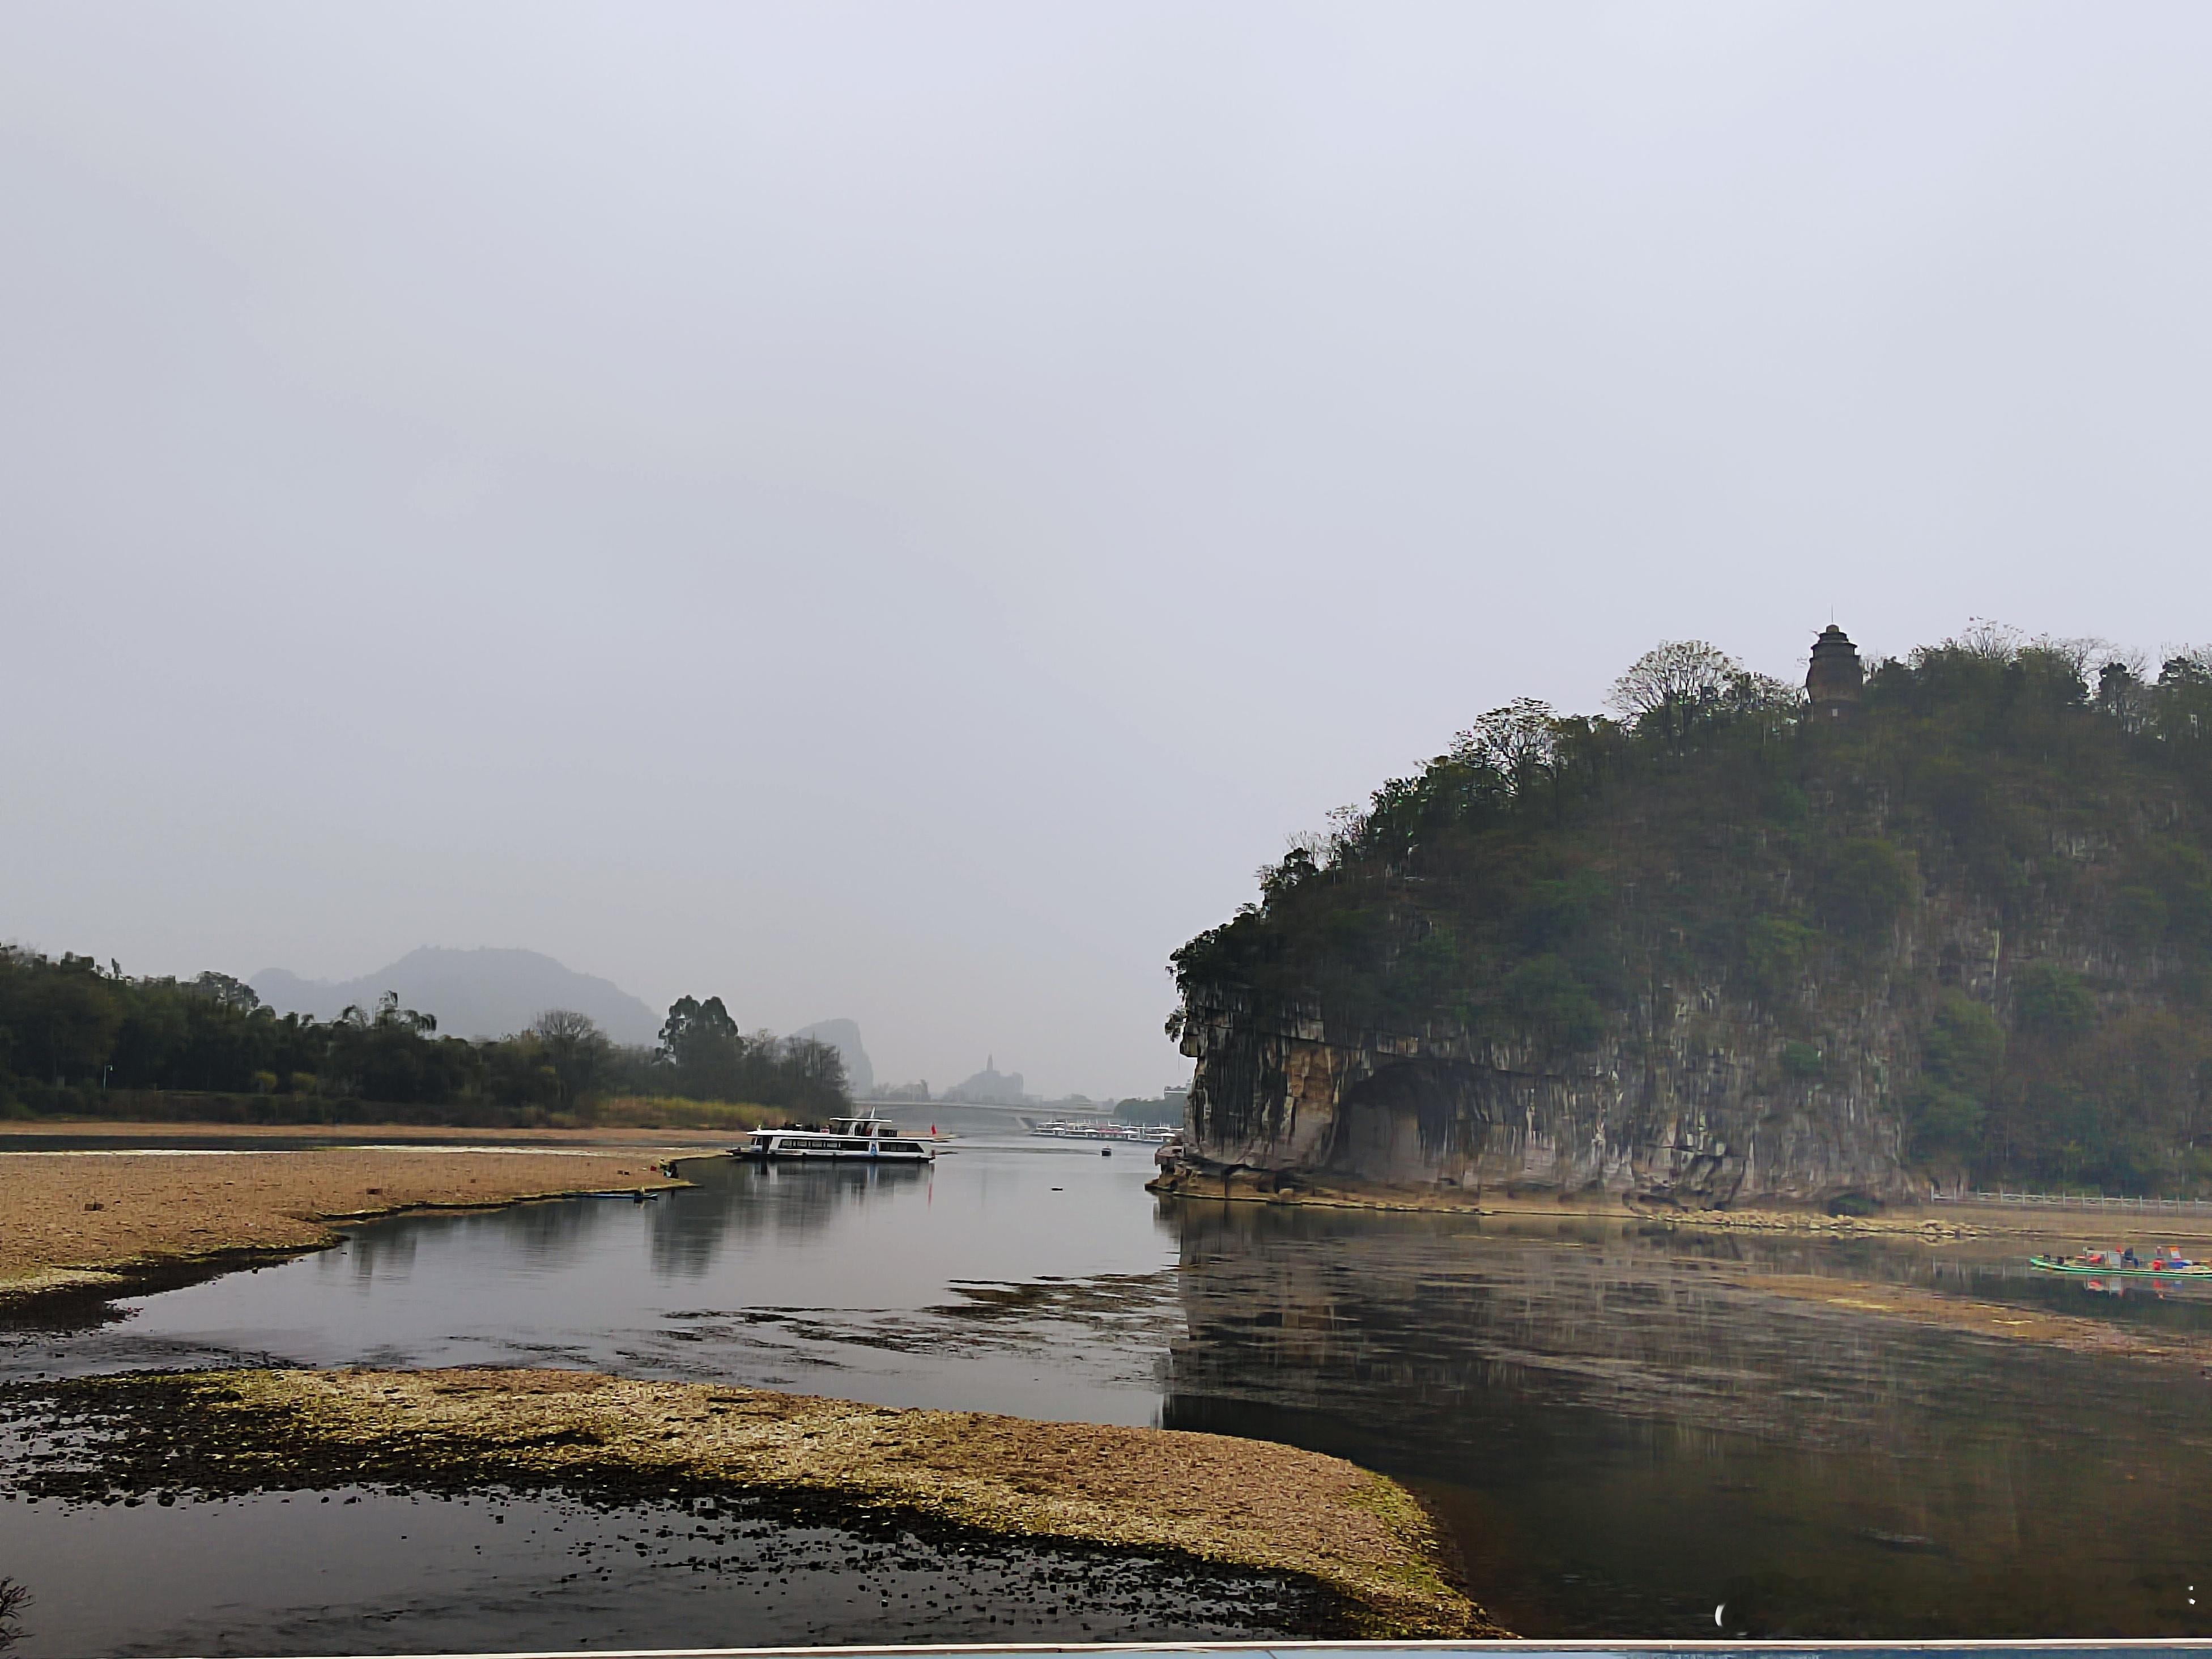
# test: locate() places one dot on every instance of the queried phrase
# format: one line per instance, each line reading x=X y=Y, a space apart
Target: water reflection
x=1623 y=1432
x=791 y=1207
x=837 y=1280
x=1626 y=1438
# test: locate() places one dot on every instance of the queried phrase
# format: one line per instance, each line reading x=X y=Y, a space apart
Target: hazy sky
x=895 y=510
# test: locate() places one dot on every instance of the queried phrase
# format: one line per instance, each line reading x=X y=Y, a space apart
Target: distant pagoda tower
x=1835 y=679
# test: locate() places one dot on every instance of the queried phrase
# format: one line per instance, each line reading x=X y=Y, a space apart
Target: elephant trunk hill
x=1936 y=922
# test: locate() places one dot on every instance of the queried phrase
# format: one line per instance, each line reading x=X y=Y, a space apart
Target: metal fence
x=2080 y=1202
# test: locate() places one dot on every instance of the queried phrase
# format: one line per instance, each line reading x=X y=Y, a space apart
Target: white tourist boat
x=1092 y=1129
x=864 y=1140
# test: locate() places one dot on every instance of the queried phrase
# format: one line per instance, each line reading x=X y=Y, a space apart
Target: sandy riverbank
x=62 y=1128
x=1226 y=1501
x=78 y=1219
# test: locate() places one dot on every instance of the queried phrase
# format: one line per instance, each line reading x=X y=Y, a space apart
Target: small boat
x=2111 y=1266
x=862 y=1139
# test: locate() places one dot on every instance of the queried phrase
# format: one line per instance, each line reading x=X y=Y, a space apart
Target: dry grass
x=675 y=1112
x=1236 y=1502
x=65 y=1214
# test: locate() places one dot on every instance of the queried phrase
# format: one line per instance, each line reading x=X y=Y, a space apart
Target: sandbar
x=74 y=1220
x=1357 y=1536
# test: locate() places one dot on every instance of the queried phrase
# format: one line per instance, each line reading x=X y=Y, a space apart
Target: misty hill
x=988 y=1087
x=473 y=994
x=844 y=1035
x=1945 y=918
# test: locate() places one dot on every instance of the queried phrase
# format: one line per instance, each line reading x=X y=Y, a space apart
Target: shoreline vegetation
x=1361 y=1539
x=220 y=1110
x=77 y=1039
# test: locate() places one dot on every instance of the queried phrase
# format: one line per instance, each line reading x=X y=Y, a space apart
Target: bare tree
x=1670 y=685
x=1987 y=637
x=1516 y=742
x=574 y=1047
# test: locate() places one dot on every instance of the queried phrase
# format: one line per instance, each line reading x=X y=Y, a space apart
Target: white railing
x=2080 y=1201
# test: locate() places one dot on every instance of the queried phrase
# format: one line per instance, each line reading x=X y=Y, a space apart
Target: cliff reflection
x=1625 y=1435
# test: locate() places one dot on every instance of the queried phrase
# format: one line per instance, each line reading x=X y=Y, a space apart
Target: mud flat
x=1362 y=1543
x=83 y=1221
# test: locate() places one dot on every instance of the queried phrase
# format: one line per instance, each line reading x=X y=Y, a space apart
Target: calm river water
x=1624 y=1439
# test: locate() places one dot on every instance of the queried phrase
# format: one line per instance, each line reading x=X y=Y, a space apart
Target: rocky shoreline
x=1270 y=1186
x=1930 y=1224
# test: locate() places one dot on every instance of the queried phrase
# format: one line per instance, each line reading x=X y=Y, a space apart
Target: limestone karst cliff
x=1949 y=921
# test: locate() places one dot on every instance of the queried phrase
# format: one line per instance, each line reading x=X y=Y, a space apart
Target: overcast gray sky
x=897 y=509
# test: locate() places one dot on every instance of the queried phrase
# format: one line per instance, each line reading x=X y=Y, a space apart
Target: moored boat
x=1059 y=1129
x=864 y=1140
x=2107 y=1264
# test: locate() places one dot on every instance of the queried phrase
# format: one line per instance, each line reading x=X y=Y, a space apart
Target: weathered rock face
x=1671 y=1112
x=1948 y=921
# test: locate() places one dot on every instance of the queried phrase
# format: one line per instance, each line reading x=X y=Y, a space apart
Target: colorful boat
x=2114 y=1269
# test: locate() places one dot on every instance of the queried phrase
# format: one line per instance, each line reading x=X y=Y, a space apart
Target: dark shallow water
x=1624 y=1440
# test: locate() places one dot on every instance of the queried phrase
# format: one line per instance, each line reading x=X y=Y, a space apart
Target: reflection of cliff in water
x=730 y=1201
x=1624 y=1441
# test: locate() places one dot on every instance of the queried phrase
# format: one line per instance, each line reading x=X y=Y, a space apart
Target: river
x=1623 y=1435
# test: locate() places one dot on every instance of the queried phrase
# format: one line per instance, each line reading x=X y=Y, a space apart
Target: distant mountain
x=474 y=993
x=844 y=1035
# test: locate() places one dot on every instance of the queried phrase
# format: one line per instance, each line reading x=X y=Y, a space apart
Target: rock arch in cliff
x=1412 y=1120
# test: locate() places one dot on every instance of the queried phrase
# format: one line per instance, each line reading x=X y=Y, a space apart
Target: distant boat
x=847 y=1140
x=1078 y=1129
x=2113 y=1268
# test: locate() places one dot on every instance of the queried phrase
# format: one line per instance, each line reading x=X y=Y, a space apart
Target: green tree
x=1544 y=999
x=1960 y=1054
x=1867 y=885
x=68 y=1022
x=2052 y=999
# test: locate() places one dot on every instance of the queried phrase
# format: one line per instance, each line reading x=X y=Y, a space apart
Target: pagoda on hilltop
x=1835 y=678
